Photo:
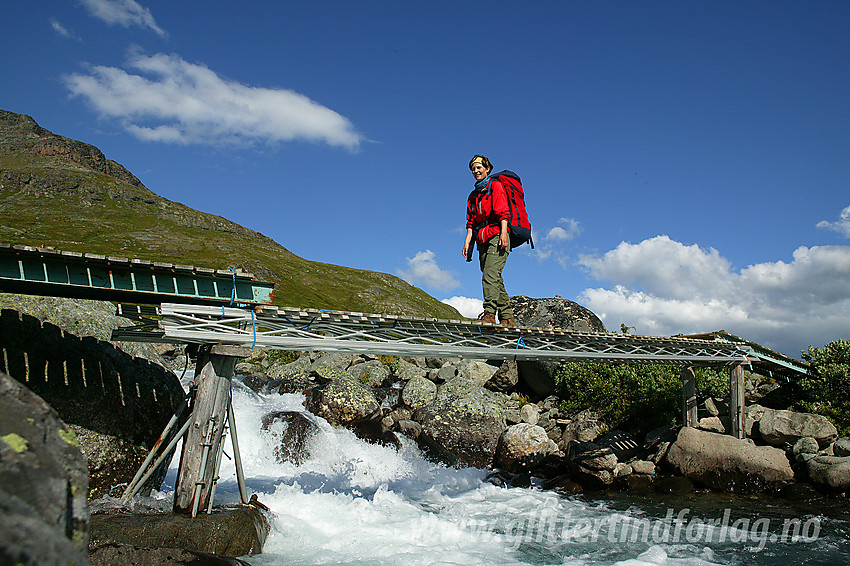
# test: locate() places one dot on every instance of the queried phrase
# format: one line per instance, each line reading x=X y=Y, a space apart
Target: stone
x=622 y=469
x=237 y=531
x=781 y=428
x=372 y=373
x=446 y=372
x=724 y=463
x=714 y=424
x=807 y=445
x=475 y=371
x=591 y=455
x=294 y=431
x=419 y=392
x=343 y=401
x=110 y=460
x=44 y=513
x=841 y=447
x=505 y=377
x=621 y=443
x=830 y=471
x=111 y=554
x=643 y=467
x=529 y=413
x=463 y=424
x=409 y=428
x=584 y=427
x=522 y=447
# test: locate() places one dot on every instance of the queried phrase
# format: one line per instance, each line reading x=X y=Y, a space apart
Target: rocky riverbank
x=94 y=408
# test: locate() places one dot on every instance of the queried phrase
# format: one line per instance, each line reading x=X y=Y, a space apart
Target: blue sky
x=686 y=164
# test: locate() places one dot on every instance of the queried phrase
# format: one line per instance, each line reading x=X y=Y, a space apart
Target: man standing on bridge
x=487 y=217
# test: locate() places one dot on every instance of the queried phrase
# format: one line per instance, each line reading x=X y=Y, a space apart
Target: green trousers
x=492 y=260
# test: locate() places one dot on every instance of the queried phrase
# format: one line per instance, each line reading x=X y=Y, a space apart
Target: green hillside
x=64 y=193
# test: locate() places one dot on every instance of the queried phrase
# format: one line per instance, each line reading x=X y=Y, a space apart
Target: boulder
x=111 y=460
x=111 y=554
x=343 y=401
x=372 y=373
x=405 y=371
x=725 y=463
x=643 y=467
x=44 y=514
x=446 y=372
x=805 y=449
x=522 y=447
x=295 y=431
x=529 y=413
x=463 y=424
x=419 y=392
x=830 y=471
x=592 y=456
x=236 y=531
x=841 y=447
x=476 y=371
x=584 y=427
x=781 y=428
x=505 y=377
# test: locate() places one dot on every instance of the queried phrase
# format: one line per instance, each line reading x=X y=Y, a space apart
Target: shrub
x=635 y=397
x=826 y=390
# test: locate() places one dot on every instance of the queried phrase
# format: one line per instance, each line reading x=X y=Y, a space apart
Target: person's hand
x=503 y=240
x=465 y=251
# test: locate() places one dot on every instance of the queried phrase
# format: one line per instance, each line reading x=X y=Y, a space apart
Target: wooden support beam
x=202 y=444
x=689 y=397
x=736 y=401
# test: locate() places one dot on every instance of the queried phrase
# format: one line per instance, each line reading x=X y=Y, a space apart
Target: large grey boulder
x=781 y=428
x=725 y=463
x=463 y=424
x=556 y=312
x=506 y=376
x=476 y=371
x=523 y=446
x=830 y=471
x=343 y=401
x=44 y=514
x=372 y=373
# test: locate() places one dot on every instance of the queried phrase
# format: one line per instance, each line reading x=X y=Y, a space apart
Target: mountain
x=65 y=193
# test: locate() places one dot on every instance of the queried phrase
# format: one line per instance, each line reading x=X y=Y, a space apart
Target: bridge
x=227 y=313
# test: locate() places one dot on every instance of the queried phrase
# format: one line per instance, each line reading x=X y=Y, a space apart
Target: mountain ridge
x=67 y=194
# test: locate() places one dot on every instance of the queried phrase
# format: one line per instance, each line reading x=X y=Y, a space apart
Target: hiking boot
x=509 y=322
x=487 y=317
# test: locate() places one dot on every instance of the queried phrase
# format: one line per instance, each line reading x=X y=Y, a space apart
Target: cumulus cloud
x=467 y=306
x=842 y=225
x=423 y=270
x=568 y=231
x=664 y=287
x=171 y=100
x=125 y=13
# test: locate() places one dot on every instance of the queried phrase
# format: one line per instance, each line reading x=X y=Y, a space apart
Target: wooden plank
x=209 y=410
x=736 y=403
x=689 y=397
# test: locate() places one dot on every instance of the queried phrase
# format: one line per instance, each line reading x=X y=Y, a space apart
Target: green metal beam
x=46 y=271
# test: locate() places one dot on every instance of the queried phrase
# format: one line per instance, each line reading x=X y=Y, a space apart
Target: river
x=355 y=503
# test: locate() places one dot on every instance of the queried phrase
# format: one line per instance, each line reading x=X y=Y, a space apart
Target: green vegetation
x=63 y=193
x=827 y=390
x=636 y=397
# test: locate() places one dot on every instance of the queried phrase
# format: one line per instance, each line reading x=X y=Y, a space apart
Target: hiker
x=487 y=218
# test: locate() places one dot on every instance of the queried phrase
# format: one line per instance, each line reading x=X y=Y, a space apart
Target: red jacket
x=488 y=207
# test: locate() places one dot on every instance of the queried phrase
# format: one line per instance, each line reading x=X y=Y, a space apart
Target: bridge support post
x=689 y=397
x=736 y=401
x=202 y=445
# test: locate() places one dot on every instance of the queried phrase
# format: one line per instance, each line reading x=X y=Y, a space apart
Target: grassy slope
x=51 y=200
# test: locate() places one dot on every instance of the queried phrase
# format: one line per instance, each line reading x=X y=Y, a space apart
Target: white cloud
x=61 y=30
x=125 y=13
x=570 y=231
x=467 y=306
x=423 y=270
x=842 y=225
x=664 y=287
x=172 y=100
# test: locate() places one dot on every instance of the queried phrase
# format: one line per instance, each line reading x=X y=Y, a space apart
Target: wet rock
x=419 y=392
x=409 y=428
x=463 y=424
x=127 y=555
x=295 y=431
x=780 y=428
x=343 y=401
x=725 y=463
x=830 y=471
x=111 y=460
x=673 y=484
x=522 y=447
x=238 y=531
x=44 y=515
